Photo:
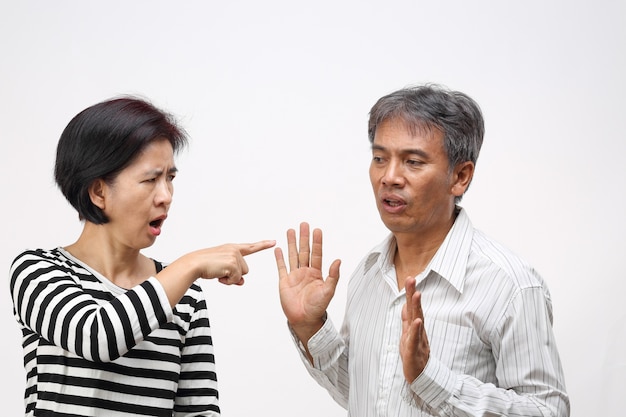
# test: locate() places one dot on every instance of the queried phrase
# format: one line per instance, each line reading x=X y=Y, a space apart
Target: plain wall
x=275 y=97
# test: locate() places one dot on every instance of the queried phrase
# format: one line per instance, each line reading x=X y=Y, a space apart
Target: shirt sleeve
x=529 y=374
x=330 y=356
x=49 y=301
x=197 y=393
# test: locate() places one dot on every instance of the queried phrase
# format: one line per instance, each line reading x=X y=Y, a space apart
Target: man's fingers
x=409 y=286
x=415 y=333
x=405 y=315
x=333 y=275
x=280 y=263
x=305 y=253
x=316 y=250
x=304 y=250
x=416 y=306
x=292 y=249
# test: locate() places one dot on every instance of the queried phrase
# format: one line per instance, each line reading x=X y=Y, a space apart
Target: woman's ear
x=96 y=193
x=462 y=176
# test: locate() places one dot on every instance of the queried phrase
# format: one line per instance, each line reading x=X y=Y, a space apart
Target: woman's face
x=138 y=199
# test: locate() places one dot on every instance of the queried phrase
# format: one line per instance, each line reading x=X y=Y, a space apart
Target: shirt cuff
x=322 y=344
x=435 y=384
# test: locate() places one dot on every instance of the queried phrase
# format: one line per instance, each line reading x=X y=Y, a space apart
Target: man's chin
x=393 y=223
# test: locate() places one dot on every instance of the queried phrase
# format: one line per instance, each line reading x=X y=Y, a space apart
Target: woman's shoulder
x=34 y=265
x=42 y=260
x=39 y=254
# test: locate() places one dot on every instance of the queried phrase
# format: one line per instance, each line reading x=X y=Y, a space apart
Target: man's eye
x=414 y=162
x=171 y=177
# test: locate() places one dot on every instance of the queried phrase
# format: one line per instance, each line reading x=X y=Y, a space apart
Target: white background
x=275 y=96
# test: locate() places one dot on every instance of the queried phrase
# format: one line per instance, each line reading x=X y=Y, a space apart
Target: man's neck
x=415 y=251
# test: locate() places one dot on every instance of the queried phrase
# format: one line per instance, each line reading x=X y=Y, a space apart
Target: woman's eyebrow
x=158 y=171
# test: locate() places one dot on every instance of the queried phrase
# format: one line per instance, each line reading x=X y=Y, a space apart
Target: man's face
x=411 y=178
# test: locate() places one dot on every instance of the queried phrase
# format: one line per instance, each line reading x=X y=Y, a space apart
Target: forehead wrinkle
x=159 y=171
x=407 y=151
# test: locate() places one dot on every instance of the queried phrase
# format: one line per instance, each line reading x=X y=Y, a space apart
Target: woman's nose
x=165 y=193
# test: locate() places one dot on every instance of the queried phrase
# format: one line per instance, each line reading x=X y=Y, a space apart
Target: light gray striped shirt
x=488 y=317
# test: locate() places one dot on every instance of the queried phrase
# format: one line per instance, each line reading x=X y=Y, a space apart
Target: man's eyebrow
x=409 y=151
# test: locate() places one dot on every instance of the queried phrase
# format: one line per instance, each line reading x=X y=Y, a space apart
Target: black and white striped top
x=92 y=348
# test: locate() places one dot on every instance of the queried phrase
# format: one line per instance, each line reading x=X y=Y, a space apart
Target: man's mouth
x=393 y=203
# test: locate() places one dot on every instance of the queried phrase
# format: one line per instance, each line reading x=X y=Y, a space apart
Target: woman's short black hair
x=102 y=140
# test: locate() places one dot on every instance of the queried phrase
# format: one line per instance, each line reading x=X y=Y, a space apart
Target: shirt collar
x=450 y=260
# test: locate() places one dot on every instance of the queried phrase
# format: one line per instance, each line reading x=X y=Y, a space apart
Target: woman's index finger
x=250 y=248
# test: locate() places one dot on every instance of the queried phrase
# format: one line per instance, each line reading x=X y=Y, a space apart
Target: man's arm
x=304 y=293
x=528 y=369
x=305 y=296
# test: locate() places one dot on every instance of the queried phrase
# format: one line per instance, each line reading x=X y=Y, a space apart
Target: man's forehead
x=417 y=130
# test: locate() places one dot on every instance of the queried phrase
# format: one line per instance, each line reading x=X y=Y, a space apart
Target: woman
x=107 y=330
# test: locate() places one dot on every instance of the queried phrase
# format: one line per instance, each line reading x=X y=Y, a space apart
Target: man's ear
x=96 y=193
x=461 y=177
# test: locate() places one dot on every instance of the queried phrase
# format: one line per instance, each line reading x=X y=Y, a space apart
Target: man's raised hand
x=304 y=293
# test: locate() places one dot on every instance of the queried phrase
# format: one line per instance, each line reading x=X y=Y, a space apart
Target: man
x=440 y=320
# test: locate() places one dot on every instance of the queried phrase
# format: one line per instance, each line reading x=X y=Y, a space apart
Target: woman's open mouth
x=155 y=225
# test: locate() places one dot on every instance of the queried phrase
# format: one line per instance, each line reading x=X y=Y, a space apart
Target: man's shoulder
x=381 y=249
x=509 y=264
